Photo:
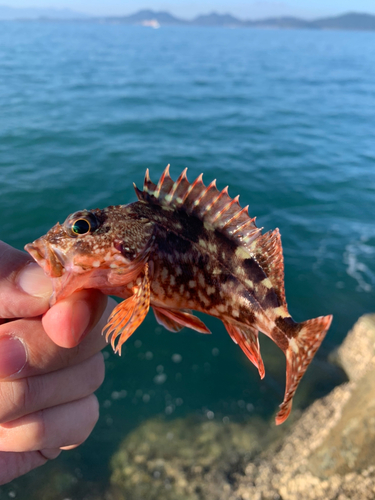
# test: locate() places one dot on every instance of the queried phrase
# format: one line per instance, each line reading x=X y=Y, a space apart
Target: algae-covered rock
x=328 y=454
x=184 y=459
x=350 y=446
x=356 y=353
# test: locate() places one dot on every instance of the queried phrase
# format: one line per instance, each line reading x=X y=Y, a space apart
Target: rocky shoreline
x=328 y=453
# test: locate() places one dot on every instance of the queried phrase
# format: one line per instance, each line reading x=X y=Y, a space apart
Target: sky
x=190 y=8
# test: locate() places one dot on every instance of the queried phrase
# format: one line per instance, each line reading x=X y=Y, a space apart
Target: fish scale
x=183 y=247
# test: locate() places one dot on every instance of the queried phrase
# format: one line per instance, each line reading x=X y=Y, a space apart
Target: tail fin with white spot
x=301 y=350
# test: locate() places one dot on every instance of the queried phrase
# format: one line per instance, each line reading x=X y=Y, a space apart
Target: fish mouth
x=50 y=260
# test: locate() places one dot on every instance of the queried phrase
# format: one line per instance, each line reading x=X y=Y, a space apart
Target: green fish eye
x=81 y=226
x=81 y=223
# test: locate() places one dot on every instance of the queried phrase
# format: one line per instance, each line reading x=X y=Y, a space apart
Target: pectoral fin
x=123 y=275
x=174 y=320
x=129 y=314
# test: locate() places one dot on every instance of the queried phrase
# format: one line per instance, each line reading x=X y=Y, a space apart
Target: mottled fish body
x=181 y=247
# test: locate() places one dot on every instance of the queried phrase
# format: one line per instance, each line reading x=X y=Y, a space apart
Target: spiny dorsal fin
x=268 y=252
x=216 y=208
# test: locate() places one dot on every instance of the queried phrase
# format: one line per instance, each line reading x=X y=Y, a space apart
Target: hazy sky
x=189 y=8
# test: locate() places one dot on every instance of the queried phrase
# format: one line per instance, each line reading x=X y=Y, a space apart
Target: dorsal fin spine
x=138 y=192
x=176 y=184
x=225 y=208
x=237 y=215
x=146 y=180
x=188 y=191
x=161 y=181
x=210 y=186
x=217 y=198
x=243 y=225
x=252 y=235
x=204 y=192
x=196 y=183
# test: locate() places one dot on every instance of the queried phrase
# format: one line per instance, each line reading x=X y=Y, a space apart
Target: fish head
x=89 y=246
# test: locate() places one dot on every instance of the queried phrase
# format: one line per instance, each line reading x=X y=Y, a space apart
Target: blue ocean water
x=286 y=118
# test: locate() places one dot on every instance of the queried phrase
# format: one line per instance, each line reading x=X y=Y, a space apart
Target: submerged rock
x=184 y=459
x=328 y=454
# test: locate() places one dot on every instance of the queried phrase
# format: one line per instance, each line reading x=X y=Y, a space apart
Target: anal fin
x=174 y=320
x=129 y=314
x=299 y=354
x=247 y=338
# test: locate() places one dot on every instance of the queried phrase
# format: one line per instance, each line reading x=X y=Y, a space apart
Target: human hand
x=46 y=390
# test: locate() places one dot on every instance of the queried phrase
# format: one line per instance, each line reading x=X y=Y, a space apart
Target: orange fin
x=129 y=314
x=301 y=350
x=128 y=273
x=174 y=320
x=247 y=339
x=168 y=323
x=214 y=207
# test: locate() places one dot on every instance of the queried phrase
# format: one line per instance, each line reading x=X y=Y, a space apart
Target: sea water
x=285 y=118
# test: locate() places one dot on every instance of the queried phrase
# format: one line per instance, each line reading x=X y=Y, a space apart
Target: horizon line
x=198 y=15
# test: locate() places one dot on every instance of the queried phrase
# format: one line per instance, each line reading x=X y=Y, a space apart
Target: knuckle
x=89 y=417
x=18 y=398
x=32 y=387
x=93 y=407
x=38 y=430
x=9 y=401
x=98 y=371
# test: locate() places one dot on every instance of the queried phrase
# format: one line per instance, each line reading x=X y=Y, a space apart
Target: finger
x=55 y=427
x=24 y=288
x=35 y=353
x=28 y=395
x=13 y=465
x=69 y=320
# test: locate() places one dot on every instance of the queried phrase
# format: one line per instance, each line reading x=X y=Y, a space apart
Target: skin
x=48 y=404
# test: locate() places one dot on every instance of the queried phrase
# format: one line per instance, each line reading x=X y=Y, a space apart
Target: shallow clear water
x=286 y=118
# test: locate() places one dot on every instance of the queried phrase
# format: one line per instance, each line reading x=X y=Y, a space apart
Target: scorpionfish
x=181 y=247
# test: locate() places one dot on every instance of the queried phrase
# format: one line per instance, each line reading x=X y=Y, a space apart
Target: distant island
x=353 y=21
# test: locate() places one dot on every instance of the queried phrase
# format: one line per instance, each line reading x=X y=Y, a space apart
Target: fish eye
x=81 y=226
x=81 y=223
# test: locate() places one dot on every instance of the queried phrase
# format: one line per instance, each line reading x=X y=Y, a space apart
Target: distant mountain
x=215 y=19
x=351 y=21
x=146 y=15
x=285 y=22
x=12 y=13
x=228 y=20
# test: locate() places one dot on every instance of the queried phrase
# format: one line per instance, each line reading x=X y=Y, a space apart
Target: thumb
x=24 y=288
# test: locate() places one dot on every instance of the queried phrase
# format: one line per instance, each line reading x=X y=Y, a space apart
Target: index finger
x=24 y=288
x=43 y=355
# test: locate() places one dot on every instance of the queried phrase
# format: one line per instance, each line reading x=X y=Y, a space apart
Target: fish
x=183 y=247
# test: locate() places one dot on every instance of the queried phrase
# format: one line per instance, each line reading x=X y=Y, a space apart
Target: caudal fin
x=302 y=348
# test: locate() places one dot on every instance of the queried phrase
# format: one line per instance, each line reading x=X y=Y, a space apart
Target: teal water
x=286 y=118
